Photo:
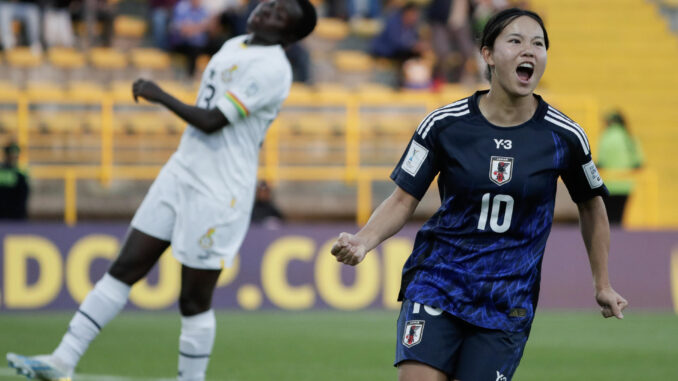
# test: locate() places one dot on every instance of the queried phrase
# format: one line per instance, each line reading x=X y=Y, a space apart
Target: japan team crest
x=501 y=169
x=414 y=331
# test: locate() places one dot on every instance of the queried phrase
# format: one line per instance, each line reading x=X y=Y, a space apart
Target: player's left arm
x=595 y=230
x=207 y=121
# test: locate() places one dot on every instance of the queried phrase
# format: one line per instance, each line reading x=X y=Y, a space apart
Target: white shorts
x=205 y=233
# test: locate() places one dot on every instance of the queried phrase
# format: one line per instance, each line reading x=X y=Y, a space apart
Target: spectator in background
x=264 y=211
x=369 y=9
x=160 y=12
x=188 y=31
x=300 y=59
x=450 y=27
x=58 y=28
x=26 y=11
x=14 y=186
x=399 y=40
x=227 y=19
x=103 y=12
x=618 y=150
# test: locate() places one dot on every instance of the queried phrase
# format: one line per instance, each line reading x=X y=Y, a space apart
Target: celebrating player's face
x=271 y=19
x=518 y=56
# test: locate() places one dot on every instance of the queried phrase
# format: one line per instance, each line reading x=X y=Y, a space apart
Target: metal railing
x=353 y=133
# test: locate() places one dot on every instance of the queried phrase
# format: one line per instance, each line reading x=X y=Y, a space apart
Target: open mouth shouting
x=525 y=71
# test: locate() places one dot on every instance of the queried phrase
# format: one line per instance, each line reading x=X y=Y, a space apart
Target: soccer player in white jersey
x=202 y=199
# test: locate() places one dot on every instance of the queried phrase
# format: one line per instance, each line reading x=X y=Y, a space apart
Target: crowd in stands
x=429 y=42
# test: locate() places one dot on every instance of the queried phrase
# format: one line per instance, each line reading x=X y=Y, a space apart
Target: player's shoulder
x=565 y=127
x=444 y=116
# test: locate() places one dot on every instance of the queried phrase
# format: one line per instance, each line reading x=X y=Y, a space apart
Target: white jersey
x=248 y=84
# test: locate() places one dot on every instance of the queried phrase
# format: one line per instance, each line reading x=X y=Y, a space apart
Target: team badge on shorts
x=206 y=240
x=501 y=169
x=414 y=331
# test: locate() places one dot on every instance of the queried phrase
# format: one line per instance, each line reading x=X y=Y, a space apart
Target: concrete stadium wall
x=52 y=266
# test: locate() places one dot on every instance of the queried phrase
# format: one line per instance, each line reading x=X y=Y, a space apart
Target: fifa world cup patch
x=501 y=169
x=592 y=175
x=414 y=159
x=414 y=331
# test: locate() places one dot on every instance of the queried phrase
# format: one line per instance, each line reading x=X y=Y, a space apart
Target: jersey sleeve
x=418 y=166
x=257 y=86
x=581 y=176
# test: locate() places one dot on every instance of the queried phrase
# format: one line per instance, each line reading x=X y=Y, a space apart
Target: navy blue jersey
x=479 y=256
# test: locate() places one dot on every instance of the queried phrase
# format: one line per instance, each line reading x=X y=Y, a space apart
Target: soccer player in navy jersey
x=470 y=287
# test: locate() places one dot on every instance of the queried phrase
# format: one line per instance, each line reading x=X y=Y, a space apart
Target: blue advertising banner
x=52 y=266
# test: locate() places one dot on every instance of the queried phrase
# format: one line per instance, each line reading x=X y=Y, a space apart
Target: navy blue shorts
x=461 y=350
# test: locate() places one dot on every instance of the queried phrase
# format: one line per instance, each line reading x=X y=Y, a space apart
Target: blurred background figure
x=160 y=12
x=188 y=31
x=618 y=150
x=101 y=11
x=14 y=186
x=28 y=13
x=58 y=28
x=265 y=212
x=400 y=39
x=452 y=41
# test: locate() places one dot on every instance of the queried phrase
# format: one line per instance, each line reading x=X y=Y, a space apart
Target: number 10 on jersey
x=493 y=211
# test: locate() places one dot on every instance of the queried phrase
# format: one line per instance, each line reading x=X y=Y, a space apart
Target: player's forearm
x=388 y=219
x=197 y=117
x=595 y=230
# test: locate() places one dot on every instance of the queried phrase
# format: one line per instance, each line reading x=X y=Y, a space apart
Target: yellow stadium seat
x=83 y=91
x=128 y=26
x=8 y=91
x=149 y=58
x=23 y=57
x=122 y=92
x=45 y=92
x=107 y=58
x=353 y=61
x=66 y=58
x=366 y=28
x=331 y=29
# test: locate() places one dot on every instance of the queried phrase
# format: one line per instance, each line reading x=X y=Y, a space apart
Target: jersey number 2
x=494 y=213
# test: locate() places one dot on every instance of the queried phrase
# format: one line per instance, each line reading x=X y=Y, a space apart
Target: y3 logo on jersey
x=501 y=377
x=414 y=331
x=503 y=143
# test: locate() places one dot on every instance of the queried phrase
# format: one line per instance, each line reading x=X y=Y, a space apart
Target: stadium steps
x=623 y=53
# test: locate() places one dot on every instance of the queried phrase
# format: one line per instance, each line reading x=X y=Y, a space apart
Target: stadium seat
x=331 y=29
x=85 y=91
x=365 y=28
x=108 y=63
x=353 y=61
x=45 y=92
x=8 y=91
x=129 y=27
x=66 y=58
x=23 y=57
x=150 y=58
x=121 y=90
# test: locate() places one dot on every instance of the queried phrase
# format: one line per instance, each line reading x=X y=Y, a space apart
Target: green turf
x=323 y=345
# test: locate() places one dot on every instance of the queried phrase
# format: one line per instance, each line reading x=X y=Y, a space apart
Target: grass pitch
x=342 y=346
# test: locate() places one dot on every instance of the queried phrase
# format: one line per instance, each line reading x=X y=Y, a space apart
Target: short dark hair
x=308 y=20
x=496 y=24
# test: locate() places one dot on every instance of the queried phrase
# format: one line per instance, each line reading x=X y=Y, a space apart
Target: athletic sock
x=195 y=345
x=100 y=306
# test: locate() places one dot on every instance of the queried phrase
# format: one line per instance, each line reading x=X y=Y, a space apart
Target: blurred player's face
x=271 y=20
x=518 y=57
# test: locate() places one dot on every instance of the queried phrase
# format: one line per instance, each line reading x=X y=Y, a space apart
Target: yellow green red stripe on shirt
x=242 y=110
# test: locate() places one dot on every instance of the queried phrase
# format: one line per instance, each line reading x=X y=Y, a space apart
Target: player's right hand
x=348 y=249
x=147 y=90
